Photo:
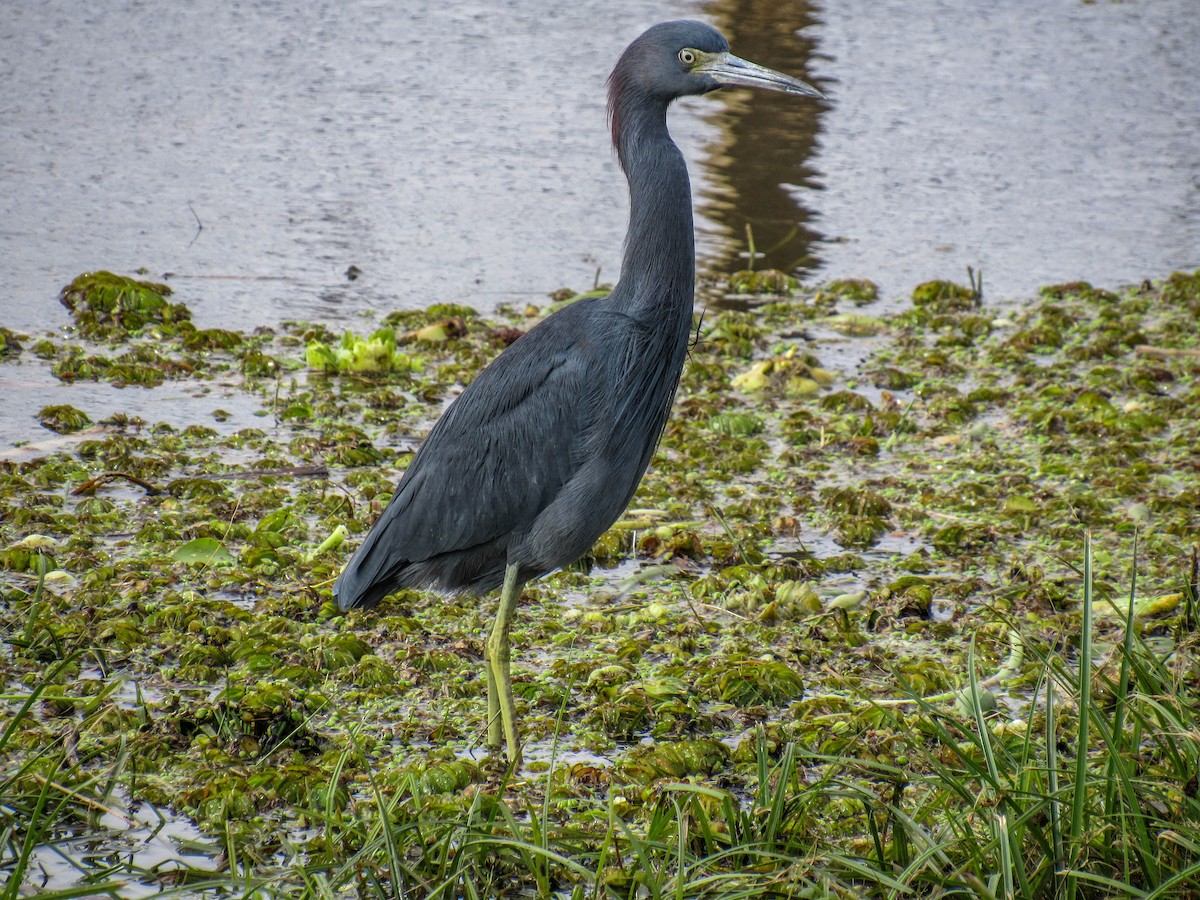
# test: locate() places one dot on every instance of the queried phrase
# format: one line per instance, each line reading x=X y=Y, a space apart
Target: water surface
x=253 y=152
x=459 y=151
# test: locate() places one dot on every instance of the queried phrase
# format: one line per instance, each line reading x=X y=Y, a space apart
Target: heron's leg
x=499 y=678
x=494 y=734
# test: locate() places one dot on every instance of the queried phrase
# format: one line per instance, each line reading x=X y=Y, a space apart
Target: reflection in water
x=767 y=144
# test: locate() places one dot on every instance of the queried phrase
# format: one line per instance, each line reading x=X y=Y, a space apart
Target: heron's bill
x=733 y=71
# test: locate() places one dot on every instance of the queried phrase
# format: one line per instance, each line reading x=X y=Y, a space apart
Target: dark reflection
x=768 y=142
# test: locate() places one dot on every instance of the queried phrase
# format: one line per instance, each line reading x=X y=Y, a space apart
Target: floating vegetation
x=675 y=760
x=736 y=424
x=32 y=553
x=436 y=333
x=210 y=338
x=1079 y=289
x=372 y=355
x=792 y=373
x=859 y=291
x=854 y=324
x=9 y=345
x=1182 y=289
x=944 y=297
x=764 y=281
x=718 y=698
x=756 y=682
x=203 y=551
x=106 y=306
x=64 y=419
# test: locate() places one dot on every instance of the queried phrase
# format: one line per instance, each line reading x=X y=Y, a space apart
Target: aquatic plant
x=104 y=305
x=372 y=355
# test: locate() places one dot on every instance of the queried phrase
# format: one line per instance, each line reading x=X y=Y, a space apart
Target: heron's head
x=676 y=59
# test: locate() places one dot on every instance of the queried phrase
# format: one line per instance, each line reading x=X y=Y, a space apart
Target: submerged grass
x=927 y=631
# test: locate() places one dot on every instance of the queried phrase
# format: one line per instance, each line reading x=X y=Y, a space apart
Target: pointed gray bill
x=733 y=71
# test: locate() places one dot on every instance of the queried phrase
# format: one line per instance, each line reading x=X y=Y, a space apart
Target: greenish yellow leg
x=499 y=656
x=494 y=735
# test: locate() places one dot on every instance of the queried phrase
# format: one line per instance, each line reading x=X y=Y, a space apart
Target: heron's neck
x=659 y=267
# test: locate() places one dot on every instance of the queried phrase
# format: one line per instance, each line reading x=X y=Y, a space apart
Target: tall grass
x=1095 y=798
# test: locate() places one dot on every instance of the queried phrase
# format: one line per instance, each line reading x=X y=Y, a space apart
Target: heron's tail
x=352 y=593
x=369 y=576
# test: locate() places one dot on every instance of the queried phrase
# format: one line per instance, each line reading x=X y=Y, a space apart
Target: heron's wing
x=501 y=451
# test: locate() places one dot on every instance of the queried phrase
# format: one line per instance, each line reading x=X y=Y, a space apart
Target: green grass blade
x=1078 y=826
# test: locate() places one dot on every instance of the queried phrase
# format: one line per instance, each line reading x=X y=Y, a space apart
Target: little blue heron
x=543 y=450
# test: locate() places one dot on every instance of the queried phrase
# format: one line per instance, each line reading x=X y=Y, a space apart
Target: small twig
x=315 y=471
x=290 y=279
x=976 y=285
x=89 y=486
x=199 y=225
x=723 y=610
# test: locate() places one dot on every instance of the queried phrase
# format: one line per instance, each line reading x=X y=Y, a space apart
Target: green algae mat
x=906 y=604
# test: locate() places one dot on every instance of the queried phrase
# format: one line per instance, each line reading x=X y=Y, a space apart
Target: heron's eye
x=687 y=57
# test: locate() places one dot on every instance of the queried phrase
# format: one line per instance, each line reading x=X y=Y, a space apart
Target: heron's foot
x=494 y=733
x=510 y=733
x=499 y=655
x=502 y=713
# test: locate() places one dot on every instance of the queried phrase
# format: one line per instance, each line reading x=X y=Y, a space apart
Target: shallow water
x=1039 y=141
x=28 y=388
x=162 y=843
x=459 y=152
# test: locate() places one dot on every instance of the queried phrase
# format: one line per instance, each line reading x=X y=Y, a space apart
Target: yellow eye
x=687 y=57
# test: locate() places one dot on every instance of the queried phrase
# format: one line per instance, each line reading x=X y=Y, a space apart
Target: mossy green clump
x=770 y=282
x=257 y=364
x=64 y=419
x=210 y=339
x=755 y=681
x=736 y=424
x=411 y=319
x=856 y=502
x=1081 y=289
x=9 y=345
x=944 y=297
x=372 y=355
x=449 y=777
x=859 y=291
x=105 y=305
x=1183 y=289
x=675 y=760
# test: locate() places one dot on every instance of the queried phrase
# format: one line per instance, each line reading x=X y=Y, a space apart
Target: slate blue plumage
x=544 y=449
